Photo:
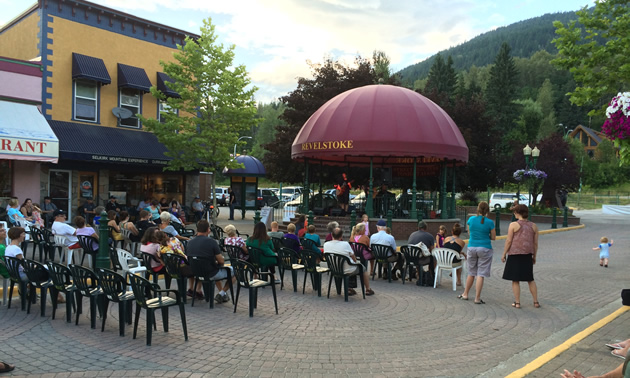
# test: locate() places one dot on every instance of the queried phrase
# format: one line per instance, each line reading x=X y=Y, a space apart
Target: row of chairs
x=101 y=287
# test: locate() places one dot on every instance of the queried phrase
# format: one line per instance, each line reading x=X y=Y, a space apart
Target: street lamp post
x=235 y=144
x=530 y=164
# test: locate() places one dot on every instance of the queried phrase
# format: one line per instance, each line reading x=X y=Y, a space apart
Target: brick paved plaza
x=405 y=330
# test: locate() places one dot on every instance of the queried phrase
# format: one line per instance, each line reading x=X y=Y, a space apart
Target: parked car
x=334 y=193
x=266 y=197
x=505 y=200
x=328 y=202
x=290 y=193
x=222 y=196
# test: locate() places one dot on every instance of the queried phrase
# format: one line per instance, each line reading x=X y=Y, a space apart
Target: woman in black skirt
x=521 y=247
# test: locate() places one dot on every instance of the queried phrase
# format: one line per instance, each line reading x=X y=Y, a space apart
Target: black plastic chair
x=183 y=231
x=48 y=241
x=200 y=267
x=38 y=278
x=217 y=232
x=381 y=254
x=87 y=285
x=241 y=235
x=415 y=259
x=311 y=266
x=277 y=244
x=309 y=244
x=289 y=261
x=358 y=248
x=146 y=260
x=37 y=238
x=113 y=256
x=173 y=263
x=233 y=253
x=291 y=243
x=62 y=282
x=336 y=265
x=244 y=272
x=89 y=244
x=13 y=267
x=157 y=299
x=115 y=289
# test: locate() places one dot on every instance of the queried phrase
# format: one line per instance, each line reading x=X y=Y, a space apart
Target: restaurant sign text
x=328 y=145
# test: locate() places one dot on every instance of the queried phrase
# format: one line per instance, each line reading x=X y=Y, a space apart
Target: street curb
x=544 y=232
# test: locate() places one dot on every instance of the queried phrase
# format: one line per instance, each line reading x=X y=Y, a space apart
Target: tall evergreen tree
x=442 y=79
x=501 y=91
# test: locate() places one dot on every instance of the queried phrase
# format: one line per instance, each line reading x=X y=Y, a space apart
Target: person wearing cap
x=47 y=210
x=382 y=237
x=197 y=208
x=60 y=228
x=338 y=246
x=112 y=205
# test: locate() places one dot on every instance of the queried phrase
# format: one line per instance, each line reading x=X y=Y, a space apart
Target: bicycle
x=210 y=213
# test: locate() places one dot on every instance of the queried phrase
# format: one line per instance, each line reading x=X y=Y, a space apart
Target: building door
x=59 y=189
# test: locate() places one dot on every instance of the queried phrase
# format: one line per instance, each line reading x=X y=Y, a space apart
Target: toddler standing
x=604 y=255
x=365 y=221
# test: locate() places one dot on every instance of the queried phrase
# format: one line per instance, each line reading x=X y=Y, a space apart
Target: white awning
x=25 y=134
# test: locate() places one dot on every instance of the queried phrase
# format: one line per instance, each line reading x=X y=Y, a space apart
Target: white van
x=505 y=200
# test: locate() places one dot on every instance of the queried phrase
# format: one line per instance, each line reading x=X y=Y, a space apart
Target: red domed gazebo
x=384 y=125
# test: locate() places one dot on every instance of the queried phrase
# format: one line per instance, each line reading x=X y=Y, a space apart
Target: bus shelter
x=244 y=182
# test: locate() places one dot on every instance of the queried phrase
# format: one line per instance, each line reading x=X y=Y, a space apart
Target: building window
x=85 y=101
x=130 y=99
x=164 y=107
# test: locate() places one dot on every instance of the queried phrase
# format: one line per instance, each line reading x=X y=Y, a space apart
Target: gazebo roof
x=253 y=167
x=390 y=124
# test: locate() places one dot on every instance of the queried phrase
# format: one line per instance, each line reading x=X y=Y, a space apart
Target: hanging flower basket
x=525 y=174
x=617 y=125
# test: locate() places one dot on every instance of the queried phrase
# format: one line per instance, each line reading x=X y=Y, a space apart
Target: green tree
x=381 y=63
x=215 y=105
x=442 y=78
x=595 y=50
x=528 y=123
x=501 y=90
x=545 y=100
x=269 y=115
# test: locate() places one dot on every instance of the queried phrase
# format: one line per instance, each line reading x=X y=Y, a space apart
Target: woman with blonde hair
x=235 y=240
x=479 y=255
x=358 y=236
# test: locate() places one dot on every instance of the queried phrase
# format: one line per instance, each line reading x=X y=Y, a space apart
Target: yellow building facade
x=98 y=65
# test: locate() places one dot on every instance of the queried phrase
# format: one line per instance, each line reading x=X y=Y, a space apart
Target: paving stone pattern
x=402 y=331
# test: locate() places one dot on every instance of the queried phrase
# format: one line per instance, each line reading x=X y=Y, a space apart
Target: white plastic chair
x=125 y=257
x=60 y=241
x=444 y=261
x=133 y=246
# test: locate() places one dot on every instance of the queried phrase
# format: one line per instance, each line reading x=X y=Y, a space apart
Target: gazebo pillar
x=414 y=210
x=306 y=190
x=321 y=172
x=368 y=206
x=444 y=174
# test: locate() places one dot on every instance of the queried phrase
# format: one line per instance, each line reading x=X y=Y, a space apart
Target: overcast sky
x=275 y=38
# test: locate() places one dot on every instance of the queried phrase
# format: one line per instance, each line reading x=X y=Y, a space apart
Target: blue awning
x=133 y=77
x=89 y=68
x=163 y=78
x=252 y=167
x=85 y=142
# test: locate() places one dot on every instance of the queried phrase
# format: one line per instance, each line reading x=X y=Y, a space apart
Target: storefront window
x=137 y=186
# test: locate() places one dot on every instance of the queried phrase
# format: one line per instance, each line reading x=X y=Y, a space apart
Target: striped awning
x=89 y=68
x=133 y=77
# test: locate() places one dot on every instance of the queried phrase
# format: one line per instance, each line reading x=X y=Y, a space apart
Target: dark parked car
x=266 y=197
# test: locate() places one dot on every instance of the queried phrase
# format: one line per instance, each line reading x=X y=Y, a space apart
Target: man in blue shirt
x=382 y=237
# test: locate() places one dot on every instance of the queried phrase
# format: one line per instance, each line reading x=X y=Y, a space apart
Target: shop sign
x=127 y=160
x=328 y=145
x=28 y=147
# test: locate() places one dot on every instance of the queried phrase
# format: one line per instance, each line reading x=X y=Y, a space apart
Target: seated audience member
x=358 y=236
x=84 y=230
x=144 y=204
x=3 y=244
x=163 y=205
x=311 y=235
x=114 y=228
x=97 y=215
x=274 y=233
x=204 y=246
x=112 y=205
x=87 y=210
x=154 y=209
x=47 y=210
x=456 y=244
x=291 y=235
x=233 y=239
x=27 y=209
x=124 y=224
x=144 y=223
x=382 y=237
x=197 y=208
x=262 y=241
x=151 y=244
x=176 y=212
x=60 y=228
x=330 y=227
x=12 y=211
x=341 y=247
x=165 y=226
